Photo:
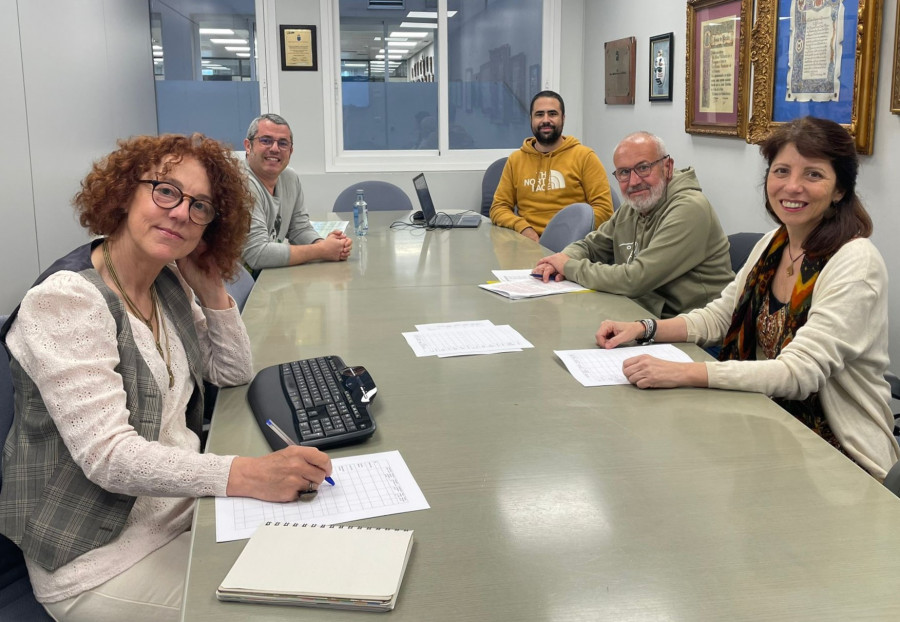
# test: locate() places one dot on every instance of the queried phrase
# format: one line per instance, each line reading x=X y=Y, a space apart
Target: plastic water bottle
x=361 y=213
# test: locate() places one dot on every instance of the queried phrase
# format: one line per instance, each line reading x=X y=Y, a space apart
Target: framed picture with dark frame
x=819 y=58
x=895 y=81
x=619 y=70
x=298 y=48
x=717 y=74
x=661 y=67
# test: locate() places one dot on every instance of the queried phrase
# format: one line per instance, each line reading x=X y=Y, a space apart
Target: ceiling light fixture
x=410 y=35
x=227 y=41
x=429 y=25
x=427 y=14
x=216 y=31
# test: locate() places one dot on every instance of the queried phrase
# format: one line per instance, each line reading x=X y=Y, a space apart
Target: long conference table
x=550 y=500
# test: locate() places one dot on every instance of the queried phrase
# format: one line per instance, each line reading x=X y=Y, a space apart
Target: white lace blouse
x=65 y=339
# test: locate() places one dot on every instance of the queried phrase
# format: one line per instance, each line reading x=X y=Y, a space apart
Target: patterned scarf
x=741 y=340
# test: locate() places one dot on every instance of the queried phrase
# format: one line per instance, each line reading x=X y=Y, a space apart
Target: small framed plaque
x=620 y=70
x=298 y=48
x=661 y=67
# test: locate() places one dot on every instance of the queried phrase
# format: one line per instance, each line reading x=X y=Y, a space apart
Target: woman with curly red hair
x=109 y=350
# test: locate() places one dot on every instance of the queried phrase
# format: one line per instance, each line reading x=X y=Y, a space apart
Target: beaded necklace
x=148 y=322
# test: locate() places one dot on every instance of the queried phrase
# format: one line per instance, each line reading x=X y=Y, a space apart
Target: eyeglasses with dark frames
x=268 y=141
x=643 y=169
x=168 y=196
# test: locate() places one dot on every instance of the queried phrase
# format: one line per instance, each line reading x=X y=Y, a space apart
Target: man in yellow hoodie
x=549 y=172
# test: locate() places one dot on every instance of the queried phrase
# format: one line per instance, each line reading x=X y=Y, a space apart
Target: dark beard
x=551 y=138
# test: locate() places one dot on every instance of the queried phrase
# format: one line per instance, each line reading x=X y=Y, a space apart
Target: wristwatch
x=649 y=331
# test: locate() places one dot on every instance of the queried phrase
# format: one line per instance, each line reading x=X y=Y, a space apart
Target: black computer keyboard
x=319 y=402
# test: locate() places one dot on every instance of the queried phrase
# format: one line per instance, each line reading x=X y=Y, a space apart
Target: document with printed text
x=517 y=284
x=598 y=367
x=464 y=339
x=365 y=486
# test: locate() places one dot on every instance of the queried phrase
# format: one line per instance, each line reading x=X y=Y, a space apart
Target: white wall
x=66 y=100
x=80 y=101
x=18 y=235
x=729 y=169
x=301 y=94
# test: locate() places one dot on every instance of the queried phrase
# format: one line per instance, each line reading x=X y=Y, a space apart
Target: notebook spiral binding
x=287 y=524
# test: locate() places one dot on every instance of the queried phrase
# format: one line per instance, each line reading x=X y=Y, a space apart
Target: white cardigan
x=65 y=339
x=841 y=352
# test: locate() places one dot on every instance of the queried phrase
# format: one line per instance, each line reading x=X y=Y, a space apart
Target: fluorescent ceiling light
x=410 y=35
x=429 y=25
x=402 y=44
x=427 y=14
x=227 y=41
x=205 y=62
x=394 y=39
x=216 y=31
x=157 y=47
x=354 y=64
x=242 y=54
x=157 y=53
x=237 y=49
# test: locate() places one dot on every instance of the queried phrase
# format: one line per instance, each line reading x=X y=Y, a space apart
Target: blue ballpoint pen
x=287 y=439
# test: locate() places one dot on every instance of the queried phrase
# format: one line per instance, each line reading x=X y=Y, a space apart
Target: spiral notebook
x=331 y=566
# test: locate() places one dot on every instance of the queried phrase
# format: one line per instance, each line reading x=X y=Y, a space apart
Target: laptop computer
x=432 y=218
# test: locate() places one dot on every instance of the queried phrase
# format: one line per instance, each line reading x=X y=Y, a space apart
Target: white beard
x=644 y=205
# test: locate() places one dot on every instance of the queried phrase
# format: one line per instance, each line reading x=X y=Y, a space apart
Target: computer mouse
x=418 y=216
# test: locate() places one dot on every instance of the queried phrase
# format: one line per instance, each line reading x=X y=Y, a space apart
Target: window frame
x=440 y=159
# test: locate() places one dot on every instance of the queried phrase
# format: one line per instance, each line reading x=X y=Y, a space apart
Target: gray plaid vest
x=47 y=505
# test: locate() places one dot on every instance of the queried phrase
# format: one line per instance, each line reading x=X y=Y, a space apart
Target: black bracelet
x=649 y=331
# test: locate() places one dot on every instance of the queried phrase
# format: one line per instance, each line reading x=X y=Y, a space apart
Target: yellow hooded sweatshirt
x=541 y=184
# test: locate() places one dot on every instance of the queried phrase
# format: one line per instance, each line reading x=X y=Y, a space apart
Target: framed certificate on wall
x=718 y=74
x=298 y=48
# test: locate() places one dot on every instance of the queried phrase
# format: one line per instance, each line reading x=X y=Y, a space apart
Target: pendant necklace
x=790 y=268
x=148 y=322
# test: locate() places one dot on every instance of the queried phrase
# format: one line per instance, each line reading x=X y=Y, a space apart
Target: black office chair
x=489 y=185
x=17 y=600
x=741 y=245
x=380 y=196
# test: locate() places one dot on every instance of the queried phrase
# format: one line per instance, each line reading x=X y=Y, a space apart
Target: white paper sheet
x=324 y=227
x=466 y=341
x=365 y=486
x=534 y=288
x=598 y=367
x=451 y=325
x=512 y=275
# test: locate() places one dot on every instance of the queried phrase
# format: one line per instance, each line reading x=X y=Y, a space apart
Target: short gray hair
x=660 y=145
x=277 y=119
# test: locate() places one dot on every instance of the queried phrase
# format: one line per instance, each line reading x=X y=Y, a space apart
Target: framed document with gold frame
x=298 y=48
x=619 y=70
x=895 y=81
x=717 y=74
x=819 y=58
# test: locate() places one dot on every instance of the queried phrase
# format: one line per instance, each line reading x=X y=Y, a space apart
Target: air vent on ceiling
x=386 y=4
